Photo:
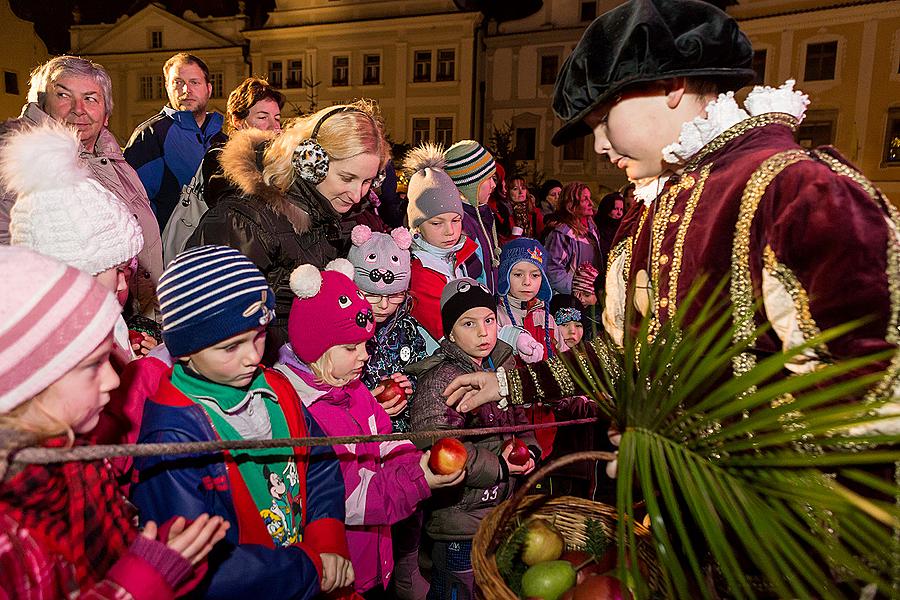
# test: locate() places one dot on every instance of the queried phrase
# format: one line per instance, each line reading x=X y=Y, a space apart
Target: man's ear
x=674 y=90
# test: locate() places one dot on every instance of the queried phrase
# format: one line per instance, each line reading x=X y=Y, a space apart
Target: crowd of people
x=233 y=278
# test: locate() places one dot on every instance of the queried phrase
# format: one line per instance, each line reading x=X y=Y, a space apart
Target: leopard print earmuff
x=310 y=159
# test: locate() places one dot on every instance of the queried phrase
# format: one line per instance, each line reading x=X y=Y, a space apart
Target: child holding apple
x=468 y=315
x=384 y=482
x=284 y=505
x=65 y=529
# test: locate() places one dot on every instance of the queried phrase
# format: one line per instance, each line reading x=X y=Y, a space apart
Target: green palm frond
x=754 y=481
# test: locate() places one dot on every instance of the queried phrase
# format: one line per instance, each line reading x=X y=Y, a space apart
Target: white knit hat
x=431 y=192
x=59 y=210
x=51 y=317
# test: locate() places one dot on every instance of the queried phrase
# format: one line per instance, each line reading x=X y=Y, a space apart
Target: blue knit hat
x=209 y=294
x=528 y=250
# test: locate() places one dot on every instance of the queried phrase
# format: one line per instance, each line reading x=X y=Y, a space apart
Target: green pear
x=542 y=543
x=548 y=580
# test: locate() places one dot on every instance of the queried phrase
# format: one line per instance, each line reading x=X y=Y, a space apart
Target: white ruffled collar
x=723 y=113
x=650 y=189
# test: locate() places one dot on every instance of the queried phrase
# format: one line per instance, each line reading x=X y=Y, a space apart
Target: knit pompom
x=402 y=237
x=360 y=235
x=422 y=157
x=341 y=265
x=29 y=152
x=306 y=281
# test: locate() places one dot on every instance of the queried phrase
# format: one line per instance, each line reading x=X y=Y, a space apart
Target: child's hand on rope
x=193 y=541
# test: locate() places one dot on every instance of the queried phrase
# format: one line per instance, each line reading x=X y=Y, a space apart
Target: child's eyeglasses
x=392 y=298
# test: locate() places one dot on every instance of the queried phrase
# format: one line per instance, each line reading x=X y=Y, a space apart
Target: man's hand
x=468 y=392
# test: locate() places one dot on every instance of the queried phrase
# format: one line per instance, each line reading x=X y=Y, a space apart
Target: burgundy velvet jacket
x=807 y=241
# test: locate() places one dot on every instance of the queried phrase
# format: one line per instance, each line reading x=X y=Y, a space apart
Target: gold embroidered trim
x=514 y=380
x=561 y=376
x=607 y=360
x=786 y=277
x=736 y=131
x=892 y=374
x=586 y=369
x=741 y=283
x=537 y=386
x=678 y=251
x=623 y=247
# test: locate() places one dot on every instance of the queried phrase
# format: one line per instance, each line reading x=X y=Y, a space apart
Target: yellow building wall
x=23 y=50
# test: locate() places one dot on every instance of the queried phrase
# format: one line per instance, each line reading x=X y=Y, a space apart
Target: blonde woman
x=291 y=191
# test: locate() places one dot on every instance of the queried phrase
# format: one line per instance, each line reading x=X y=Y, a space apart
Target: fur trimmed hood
x=241 y=160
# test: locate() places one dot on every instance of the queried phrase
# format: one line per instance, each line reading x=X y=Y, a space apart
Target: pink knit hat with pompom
x=329 y=310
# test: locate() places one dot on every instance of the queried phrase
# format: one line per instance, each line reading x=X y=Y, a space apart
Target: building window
x=820 y=61
x=295 y=74
x=443 y=131
x=275 y=74
x=371 y=69
x=892 y=138
x=156 y=40
x=759 y=65
x=217 y=81
x=574 y=149
x=421 y=129
x=817 y=129
x=422 y=65
x=340 y=71
x=588 y=11
x=147 y=90
x=549 y=68
x=446 y=65
x=525 y=143
x=11 y=81
x=161 y=91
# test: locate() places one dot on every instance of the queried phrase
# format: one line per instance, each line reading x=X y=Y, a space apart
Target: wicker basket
x=568 y=513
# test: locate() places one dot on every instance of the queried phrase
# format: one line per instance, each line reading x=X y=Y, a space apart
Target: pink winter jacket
x=383 y=481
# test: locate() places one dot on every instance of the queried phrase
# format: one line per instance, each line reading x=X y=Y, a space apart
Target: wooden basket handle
x=510 y=507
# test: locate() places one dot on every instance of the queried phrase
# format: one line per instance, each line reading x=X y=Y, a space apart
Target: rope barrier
x=44 y=456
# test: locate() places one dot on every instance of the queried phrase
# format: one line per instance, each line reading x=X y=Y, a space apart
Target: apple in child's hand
x=519 y=455
x=392 y=389
x=135 y=337
x=448 y=455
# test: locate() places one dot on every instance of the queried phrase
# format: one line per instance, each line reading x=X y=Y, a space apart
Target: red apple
x=583 y=563
x=135 y=337
x=448 y=455
x=392 y=389
x=520 y=454
x=597 y=587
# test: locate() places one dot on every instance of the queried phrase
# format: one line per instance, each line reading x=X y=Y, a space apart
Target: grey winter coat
x=456 y=512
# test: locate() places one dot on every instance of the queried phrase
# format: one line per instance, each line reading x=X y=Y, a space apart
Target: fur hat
x=209 y=294
x=430 y=191
x=329 y=310
x=461 y=295
x=647 y=40
x=380 y=261
x=468 y=164
x=523 y=250
x=60 y=210
x=52 y=316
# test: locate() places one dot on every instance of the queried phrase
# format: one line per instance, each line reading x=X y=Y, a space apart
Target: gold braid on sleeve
x=514 y=379
x=561 y=375
x=537 y=385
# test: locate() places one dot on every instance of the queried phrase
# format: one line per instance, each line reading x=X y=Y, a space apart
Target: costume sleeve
x=324 y=497
x=184 y=486
x=144 y=153
x=430 y=412
x=830 y=256
x=557 y=268
x=391 y=493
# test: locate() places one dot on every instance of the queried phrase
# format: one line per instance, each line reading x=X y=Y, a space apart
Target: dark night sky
x=53 y=19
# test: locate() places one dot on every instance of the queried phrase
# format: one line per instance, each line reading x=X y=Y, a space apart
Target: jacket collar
x=185 y=119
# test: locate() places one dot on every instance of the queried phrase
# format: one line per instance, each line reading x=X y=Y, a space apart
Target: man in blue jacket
x=167 y=148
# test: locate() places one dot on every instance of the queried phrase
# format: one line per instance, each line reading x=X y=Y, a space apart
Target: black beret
x=647 y=40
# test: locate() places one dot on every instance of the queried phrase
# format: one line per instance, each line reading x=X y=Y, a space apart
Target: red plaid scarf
x=76 y=511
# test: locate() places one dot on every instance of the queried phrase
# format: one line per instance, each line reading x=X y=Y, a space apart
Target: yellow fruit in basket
x=542 y=543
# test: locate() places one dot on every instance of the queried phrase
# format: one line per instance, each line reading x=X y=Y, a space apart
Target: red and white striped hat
x=51 y=317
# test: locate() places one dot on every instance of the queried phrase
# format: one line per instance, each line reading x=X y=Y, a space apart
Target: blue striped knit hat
x=209 y=294
x=523 y=250
x=468 y=164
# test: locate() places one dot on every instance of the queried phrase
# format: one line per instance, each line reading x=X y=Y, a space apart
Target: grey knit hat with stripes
x=468 y=164
x=209 y=294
